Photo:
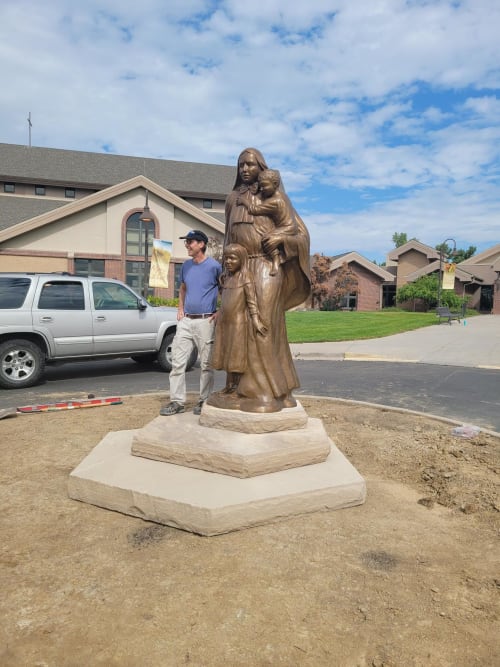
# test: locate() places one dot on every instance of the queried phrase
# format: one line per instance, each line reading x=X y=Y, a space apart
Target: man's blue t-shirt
x=202 y=285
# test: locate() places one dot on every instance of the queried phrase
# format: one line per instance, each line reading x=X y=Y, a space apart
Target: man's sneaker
x=171 y=409
x=197 y=408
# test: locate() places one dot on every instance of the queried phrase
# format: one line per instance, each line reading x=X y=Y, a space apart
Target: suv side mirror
x=142 y=304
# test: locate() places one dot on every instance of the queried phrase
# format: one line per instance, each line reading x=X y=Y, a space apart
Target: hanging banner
x=160 y=260
x=449 y=276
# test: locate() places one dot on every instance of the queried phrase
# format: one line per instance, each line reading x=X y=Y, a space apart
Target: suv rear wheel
x=22 y=363
x=165 y=354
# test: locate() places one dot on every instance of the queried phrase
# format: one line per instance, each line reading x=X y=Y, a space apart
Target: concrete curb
x=390 y=408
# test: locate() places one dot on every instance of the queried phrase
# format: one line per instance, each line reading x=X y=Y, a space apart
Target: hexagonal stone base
x=254 y=422
x=183 y=440
x=205 y=502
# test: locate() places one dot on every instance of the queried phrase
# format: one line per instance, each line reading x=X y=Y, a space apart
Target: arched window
x=136 y=233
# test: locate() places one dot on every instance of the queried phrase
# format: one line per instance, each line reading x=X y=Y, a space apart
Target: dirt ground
x=410 y=578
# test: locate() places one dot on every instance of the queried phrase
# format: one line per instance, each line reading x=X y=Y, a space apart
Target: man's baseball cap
x=195 y=235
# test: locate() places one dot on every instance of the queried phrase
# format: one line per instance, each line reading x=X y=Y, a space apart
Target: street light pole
x=146 y=218
x=146 y=258
x=441 y=257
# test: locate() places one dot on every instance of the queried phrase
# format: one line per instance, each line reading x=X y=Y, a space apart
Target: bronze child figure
x=238 y=312
x=275 y=206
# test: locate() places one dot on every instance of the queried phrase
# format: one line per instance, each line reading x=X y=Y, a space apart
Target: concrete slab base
x=209 y=503
x=183 y=439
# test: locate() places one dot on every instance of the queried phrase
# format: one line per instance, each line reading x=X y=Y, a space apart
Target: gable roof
x=430 y=253
x=103 y=196
x=491 y=256
x=349 y=257
x=465 y=274
x=95 y=171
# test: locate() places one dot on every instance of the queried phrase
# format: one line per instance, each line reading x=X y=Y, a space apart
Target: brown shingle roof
x=100 y=170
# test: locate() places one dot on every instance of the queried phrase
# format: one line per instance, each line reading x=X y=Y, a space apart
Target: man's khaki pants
x=199 y=332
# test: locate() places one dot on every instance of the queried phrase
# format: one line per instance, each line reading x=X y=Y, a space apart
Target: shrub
x=159 y=301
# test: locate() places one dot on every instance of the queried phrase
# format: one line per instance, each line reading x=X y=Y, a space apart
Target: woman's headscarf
x=259 y=158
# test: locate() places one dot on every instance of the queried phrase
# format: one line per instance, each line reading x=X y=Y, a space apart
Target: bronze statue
x=238 y=306
x=269 y=376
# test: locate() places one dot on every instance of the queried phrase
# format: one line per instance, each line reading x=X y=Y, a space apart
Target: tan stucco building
x=79 y=212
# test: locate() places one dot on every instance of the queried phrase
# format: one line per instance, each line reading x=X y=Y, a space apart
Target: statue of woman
x=270 y=376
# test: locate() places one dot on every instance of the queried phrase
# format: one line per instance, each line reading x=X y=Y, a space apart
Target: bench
x=443 y=312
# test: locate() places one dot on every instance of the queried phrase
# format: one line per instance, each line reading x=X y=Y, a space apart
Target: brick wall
x=369 y=287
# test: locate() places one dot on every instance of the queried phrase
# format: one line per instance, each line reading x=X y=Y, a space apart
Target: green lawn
x=321 y=326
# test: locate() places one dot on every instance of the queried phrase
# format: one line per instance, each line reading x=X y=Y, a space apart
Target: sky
x=382 y=116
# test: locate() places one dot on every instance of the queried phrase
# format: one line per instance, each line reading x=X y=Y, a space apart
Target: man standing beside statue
x=196 y=322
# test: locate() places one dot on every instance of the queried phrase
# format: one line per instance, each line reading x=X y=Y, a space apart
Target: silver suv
x=60 y=317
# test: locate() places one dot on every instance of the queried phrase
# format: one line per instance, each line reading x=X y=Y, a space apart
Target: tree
x=459 y=255
x=214 y=248
x=400 y=238
x=345 y=283
x=320 y=275
x=426 y=289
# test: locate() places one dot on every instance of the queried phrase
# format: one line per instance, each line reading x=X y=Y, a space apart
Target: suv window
x=111 y=296
x=13 y=291
x=59 y=295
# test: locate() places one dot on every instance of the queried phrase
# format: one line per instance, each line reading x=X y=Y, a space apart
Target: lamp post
x=441 y=255
x=146 y=218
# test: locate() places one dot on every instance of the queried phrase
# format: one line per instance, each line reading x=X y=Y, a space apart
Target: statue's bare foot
x=289 y=401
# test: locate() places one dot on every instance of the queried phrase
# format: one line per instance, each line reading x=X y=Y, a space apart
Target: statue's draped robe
x=270 y=374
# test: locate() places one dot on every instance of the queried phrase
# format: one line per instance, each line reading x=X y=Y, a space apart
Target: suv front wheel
x=165 y=354
x=22 y=363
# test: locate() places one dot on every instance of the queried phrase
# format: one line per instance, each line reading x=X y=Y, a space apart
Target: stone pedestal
x=179 y=472
x=181 y=439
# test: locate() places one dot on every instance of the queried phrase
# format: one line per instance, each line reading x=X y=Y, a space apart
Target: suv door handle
x=46 y=318
x=100 y=318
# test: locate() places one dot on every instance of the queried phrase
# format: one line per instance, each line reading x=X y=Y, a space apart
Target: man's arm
x=182 y=296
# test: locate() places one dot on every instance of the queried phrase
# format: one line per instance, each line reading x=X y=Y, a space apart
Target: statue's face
x=248 y=168
x=232 y=262
x=267 y=186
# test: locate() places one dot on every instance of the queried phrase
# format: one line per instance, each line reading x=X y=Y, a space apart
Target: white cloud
x=390 y=101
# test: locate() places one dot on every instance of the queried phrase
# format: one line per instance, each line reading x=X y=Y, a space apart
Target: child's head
x=269 y=181
x=235 y=257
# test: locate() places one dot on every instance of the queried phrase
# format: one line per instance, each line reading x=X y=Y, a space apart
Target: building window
x=136 y=236
x=9 y=187
x=207 y=203
x=40 y=190
x=89 y=267
x=388 y=296
x=134 y=276
x=69 y=193
x=349 y=302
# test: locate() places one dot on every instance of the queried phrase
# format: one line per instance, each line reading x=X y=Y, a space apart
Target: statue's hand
x=271 y=242
x=258 y=325
x=242 y=202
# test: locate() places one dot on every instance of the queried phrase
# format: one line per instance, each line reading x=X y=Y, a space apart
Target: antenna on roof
x=29 y=129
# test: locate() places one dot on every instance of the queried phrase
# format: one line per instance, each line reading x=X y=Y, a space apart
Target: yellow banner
x=160 y=260
x=449 y=276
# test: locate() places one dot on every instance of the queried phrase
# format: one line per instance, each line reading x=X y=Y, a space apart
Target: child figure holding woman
x=275 y=206
x=238 y=318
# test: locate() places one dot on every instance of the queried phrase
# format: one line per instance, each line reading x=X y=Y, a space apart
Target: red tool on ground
x=70 y=405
